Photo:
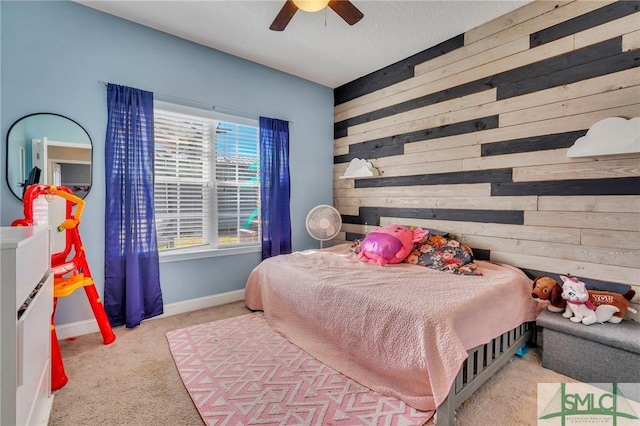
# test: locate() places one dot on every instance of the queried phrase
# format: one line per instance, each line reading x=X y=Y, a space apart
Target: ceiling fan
x=344 y=8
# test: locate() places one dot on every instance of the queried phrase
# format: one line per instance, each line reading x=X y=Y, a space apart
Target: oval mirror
x=50 y=149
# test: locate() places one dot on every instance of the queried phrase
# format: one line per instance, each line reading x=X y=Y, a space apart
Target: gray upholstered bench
x=597 y=353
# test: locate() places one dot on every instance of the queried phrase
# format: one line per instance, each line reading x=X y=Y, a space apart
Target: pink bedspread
x=402 y=330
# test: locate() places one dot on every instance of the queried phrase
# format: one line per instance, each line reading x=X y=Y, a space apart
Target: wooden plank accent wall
x=470 y=137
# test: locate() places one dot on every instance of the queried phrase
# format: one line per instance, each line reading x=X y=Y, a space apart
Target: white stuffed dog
x=579 y=308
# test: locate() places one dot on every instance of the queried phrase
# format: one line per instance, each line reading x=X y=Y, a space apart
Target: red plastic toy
x=69 y=268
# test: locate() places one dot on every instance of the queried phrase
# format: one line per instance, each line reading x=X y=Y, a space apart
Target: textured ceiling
x=319 y=46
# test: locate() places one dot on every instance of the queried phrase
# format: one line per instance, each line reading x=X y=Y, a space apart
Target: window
x=207 y=189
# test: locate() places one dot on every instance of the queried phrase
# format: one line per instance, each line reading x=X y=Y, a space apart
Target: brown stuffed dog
x=546 y=288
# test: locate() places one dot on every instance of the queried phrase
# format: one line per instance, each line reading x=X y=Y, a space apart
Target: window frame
x=199 y=252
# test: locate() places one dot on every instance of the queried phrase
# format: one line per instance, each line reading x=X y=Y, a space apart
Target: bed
x=426 y=337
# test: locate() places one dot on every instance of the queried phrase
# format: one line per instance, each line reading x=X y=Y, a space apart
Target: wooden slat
x=340 y=143
x=339 y=169
x=581 y=121
x=577 y=90
x=564 y=108
x=599 y=255
x=421 y=168
x=340 y=128
x=554 y=156
x=475 y=229
x=454 y=141
x=340 y=150
x=602 y=169
x=601 y=203
x=588 y=220
x=608 y=238
x=532 y=143
x=460 y=380
x=347 y=210
x=454 y=202
x=570 y=187
x=518 y=16
x=390 y=220
x=611 y=29
x=372 y=215
x=590 y=62
x=631 y=41
x=438 y=109
x=339 y=239
x=434 y=156
x=427 y=122
x=394 y=144
x=473 y=176
x=584 y=22
x=357 y=228
x=491 y=352
x=460 y=190
x=343 y=184
x=563 y=266
x=446 y=65
x=472 y=360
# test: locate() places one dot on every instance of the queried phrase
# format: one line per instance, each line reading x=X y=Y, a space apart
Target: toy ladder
x=69 y=268
x=64 y=285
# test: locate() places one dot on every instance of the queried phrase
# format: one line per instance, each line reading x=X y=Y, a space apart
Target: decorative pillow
x=443 y=253
x=437 y=232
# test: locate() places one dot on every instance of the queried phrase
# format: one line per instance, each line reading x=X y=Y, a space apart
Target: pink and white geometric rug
x=239 y=371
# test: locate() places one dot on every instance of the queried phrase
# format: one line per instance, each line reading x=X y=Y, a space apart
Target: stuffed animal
x=389 y=244
x=546 y=288
x=579 y=308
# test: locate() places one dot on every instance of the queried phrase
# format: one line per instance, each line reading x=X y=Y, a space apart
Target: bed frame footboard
x=483 y=362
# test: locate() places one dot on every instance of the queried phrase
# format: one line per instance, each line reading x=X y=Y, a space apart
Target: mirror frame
x=19 y=197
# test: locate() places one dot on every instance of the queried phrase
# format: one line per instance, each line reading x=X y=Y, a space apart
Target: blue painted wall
x=54 y=54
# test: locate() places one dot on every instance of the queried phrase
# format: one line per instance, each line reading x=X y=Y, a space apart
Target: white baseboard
x=79 y=328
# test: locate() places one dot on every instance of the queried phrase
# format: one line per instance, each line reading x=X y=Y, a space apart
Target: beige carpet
x=134 y=381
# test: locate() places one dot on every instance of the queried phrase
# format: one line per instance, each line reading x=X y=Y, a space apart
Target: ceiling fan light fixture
x=344 y=8
x=311 y=5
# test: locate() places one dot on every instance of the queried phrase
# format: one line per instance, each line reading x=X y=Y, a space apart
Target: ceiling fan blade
x=346 y=10
x=284 y=16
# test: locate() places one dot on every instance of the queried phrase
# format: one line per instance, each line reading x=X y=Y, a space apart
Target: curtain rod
x=217 y=108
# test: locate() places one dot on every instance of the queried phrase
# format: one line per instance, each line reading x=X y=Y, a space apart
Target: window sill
x=203 y=254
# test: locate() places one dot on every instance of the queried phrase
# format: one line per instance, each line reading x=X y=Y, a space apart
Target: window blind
x=207 y=189
x=182 y=180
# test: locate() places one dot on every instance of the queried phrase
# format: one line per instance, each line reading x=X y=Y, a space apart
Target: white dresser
x=25 y=334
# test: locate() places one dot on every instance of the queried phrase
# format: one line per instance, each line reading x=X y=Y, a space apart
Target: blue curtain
x=275 y=188
x=132 y=273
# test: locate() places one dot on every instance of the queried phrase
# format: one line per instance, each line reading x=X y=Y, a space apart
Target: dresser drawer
x=33 y=374
x=25 y=349
x=33 y=260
